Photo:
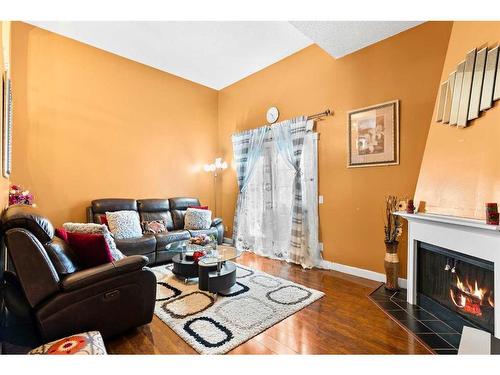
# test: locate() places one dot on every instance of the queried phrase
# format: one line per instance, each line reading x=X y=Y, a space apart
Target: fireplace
x=436 y=244
x=456 y=282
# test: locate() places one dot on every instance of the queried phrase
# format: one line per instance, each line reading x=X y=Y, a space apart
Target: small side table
x=216 y=272
x=216 y=278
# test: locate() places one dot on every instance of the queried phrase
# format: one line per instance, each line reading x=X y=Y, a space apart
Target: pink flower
x=19 y=196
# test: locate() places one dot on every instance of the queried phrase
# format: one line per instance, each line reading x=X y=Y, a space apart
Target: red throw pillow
x=92 y=249
x=104 y=220
x=199 y=207
x=62 y=234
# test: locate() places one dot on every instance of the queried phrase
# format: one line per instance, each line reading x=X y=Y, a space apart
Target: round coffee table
x=184 y=268
x=215 y=272
x=183 y=265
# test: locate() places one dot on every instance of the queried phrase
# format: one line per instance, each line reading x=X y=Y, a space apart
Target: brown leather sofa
x=157 y=248
x=64 y=298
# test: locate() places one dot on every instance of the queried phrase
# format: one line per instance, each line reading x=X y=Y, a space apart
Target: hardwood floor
x=344 y=321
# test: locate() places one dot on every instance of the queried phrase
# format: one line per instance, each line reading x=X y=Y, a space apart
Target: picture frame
x=7 y=127
x=373 y=135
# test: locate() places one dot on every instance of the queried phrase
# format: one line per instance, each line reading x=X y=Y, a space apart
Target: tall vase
x=391 y=264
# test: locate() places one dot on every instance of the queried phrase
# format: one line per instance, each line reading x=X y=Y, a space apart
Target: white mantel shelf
x=454 y=220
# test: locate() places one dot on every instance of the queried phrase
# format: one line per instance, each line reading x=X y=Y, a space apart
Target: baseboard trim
x=360 y=272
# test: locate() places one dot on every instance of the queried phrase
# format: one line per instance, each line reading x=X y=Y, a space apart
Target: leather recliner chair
x=66 y=299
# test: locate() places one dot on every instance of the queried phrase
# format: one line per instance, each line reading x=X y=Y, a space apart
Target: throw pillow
x=196 y=219
x=103 y=220
x=154 y=227
x=92 y=249
x=62 y=234
x=88 y=343
x=124 y=224
x=92 y=228
x=199 y=207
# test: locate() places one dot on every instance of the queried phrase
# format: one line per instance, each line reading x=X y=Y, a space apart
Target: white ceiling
x=342 y=38
x=219 y=53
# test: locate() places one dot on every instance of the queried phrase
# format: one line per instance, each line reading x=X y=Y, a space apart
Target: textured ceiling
x=340 y=38
x=219 y=53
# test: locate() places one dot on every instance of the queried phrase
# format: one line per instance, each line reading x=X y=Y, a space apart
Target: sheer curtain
x=275 y=215
x=247 y=148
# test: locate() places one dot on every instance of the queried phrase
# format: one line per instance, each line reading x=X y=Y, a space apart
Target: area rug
x=217 y=325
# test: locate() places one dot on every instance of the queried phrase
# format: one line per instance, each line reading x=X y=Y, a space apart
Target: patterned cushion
x=154 y=227
x=197 y=219
x=91 y=228
x=88 y=343
x=124 y=224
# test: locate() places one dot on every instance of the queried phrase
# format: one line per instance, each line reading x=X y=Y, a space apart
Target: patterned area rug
x=215 y=326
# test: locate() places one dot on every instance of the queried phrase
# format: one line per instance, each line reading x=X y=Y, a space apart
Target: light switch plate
x=320 y=199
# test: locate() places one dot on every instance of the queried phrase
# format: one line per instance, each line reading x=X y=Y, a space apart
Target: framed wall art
x=471 y=89
x=490 y=69
x=448 y=97
x=373 y=135
x=463 y=106
x=477 y=84
x=442 y=101
x=457 y=90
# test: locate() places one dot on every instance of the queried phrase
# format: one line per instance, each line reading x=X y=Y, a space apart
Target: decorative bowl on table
x=203 y=240
x=195 y=252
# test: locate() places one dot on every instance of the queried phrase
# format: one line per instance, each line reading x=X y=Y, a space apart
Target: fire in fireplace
x=460 y=283
x=471 y=299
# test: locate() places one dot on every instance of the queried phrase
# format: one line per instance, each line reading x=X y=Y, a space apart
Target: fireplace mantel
x=454 y=220
x=467 y=236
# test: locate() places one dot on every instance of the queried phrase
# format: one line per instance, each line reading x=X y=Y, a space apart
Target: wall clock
x=272 y=115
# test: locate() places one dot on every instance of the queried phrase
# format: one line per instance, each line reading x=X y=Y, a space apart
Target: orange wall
x=89 y=124
x=405 y=67
x=461 y=167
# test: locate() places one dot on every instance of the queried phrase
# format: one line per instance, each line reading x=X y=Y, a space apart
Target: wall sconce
x=215 y=167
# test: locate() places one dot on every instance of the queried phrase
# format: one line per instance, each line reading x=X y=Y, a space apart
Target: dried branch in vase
x=393 y=225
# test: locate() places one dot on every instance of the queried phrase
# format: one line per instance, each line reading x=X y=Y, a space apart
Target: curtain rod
x=319 y=115
x=325 y=113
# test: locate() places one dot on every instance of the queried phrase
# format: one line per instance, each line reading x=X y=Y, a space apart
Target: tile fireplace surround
x=467 y=236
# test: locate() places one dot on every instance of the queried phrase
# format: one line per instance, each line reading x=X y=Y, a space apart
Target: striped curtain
x=289 y=137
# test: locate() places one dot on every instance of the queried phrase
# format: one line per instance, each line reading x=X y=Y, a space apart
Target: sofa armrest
x=93 y=275
x=217 y=224
x=216 y=221
x=90 y=214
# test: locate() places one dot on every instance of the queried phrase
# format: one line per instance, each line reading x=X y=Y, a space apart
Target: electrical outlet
x=320 y=199
x=320 y=245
